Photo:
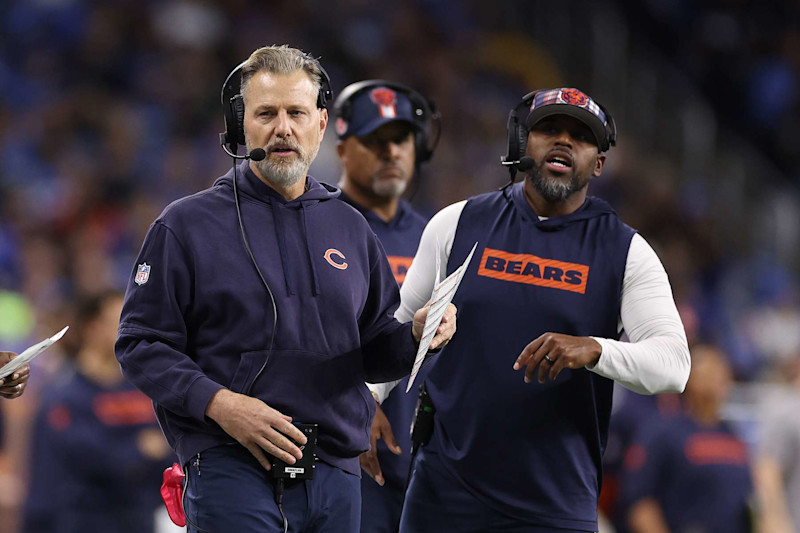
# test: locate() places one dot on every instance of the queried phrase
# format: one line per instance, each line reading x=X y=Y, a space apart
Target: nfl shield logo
x=142 y=274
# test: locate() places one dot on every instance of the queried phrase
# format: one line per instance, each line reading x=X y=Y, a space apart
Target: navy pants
x=228 y=490
x=437 y=502
x=380 y=506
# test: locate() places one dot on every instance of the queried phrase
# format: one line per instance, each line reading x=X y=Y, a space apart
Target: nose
x=283 y=127
x=389 y=150
x=564 y=138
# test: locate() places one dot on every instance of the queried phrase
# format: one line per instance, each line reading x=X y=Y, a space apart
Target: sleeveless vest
x=530 y=450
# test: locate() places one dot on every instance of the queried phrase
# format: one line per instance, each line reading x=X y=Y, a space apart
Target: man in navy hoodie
x=386 y=131
x=262 y=301
x=555 y=279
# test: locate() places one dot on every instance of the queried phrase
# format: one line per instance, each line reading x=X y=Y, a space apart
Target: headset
x=426 y=114
x=233 y=106
x=518 y=133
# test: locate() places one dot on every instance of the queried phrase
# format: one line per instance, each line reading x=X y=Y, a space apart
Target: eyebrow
x=290 y=107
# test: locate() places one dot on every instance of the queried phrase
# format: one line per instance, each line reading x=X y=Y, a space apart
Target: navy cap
x=575 y=103
x=371 y=108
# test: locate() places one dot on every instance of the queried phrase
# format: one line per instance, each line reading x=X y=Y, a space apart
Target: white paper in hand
x=26 y=356
x=442 y=296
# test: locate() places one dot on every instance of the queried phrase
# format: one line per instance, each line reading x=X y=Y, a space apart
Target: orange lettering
x=561 y=275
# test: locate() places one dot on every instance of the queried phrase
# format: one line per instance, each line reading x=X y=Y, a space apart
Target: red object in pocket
x=172 y=494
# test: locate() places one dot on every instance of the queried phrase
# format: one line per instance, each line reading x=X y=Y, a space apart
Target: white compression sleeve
x=657 y=357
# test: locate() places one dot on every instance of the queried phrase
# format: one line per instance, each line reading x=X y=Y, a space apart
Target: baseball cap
x=574 y=103
x=372 y=107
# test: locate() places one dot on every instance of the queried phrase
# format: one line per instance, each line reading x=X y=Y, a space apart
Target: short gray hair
x=281 y=59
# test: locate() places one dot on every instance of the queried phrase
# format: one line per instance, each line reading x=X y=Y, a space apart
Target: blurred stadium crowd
x=110 y=110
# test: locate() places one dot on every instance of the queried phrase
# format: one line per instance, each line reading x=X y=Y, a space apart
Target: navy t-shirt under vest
x=532 y=451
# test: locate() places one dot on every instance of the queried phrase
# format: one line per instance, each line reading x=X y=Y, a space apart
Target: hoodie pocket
x=249 y=365
x=327 y=389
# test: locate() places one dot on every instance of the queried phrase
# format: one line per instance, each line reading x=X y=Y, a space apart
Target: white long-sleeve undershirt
x=655 y=360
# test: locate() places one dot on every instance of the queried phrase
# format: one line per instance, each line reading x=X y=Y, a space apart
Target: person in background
x=778 y=458
x=386 y=131
x=98 y=452
x=691 y=473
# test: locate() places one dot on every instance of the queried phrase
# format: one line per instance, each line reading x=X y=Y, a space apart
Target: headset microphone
x=525 y=164
x=256 y=154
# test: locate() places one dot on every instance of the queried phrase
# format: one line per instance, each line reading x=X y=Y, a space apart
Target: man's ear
x=598 y=165
x=323 y=122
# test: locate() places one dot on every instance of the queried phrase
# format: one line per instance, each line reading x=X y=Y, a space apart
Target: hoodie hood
x=592 y=207
x=250 y=186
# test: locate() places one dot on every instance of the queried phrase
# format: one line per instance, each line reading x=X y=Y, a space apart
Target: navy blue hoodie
x=197 y=317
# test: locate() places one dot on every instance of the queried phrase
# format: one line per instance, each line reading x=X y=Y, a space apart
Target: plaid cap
x=572 y=102
x=373 y=107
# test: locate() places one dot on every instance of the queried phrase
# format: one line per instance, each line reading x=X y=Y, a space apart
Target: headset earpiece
x=325 y=93
x=233 y=109
x=429 y=138
x=611 y=128
x=517 y=131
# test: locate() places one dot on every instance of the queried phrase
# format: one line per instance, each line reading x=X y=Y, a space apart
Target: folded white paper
x=442 y=296
x=26 y=356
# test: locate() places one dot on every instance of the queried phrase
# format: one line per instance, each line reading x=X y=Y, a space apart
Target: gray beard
x=284 y=174
x=553 y=189
x=388 y=189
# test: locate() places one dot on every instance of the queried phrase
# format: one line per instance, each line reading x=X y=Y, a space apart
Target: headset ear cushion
x=237 y=103
x=422 y=153
x=512 y=153
x=522 y=140
x=325 y=94
x=422 y=150
x=429 y=121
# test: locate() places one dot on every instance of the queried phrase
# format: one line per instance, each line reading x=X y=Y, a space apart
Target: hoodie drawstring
x=308 y=252
x=280 y=237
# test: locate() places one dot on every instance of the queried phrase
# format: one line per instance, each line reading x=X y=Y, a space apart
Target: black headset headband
x=233 y=104
x=425 y=113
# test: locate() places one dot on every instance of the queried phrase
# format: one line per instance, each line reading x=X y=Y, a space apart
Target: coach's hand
x=445 y=331
x=381 y=429
x=257 y=426
x=553 y=352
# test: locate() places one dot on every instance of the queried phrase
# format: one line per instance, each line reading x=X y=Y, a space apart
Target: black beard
x=553 y=189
